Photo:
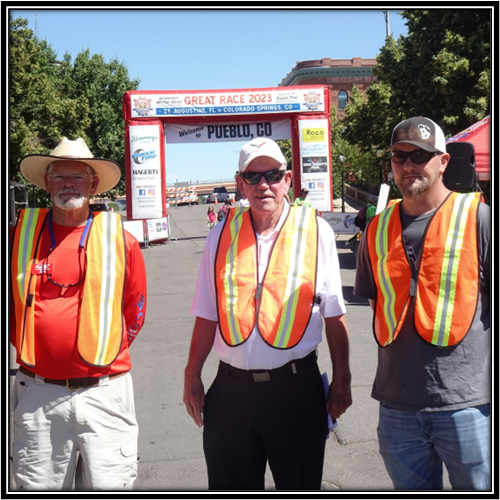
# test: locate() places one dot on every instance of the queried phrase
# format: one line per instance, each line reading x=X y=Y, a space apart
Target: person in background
x=371 y=209
x=211 y=217
x=267 y=403
x=302 y=200
x=78 y=301
x=424 y=266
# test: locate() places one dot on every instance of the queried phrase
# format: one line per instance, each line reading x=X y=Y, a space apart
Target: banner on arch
x=226 y=132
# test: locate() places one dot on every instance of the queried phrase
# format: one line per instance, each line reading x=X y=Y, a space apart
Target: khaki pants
x=55 y=428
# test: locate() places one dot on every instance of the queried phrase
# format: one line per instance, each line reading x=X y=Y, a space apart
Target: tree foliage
x=51 y=99
x=440 y=70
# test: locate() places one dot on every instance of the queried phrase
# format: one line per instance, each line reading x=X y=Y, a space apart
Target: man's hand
x=194 y=397
x=201 y=345
x=339 y=397
x=339 y=393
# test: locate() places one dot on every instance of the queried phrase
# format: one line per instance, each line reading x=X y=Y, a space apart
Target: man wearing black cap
x=302 y=200
x=424 y=266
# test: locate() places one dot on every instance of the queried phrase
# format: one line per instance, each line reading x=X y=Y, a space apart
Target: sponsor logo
x=312 y=101
x=142 y=106
x=140 y=156
x=313 y=135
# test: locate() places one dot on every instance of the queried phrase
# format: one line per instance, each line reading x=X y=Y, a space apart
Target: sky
x=211 y=49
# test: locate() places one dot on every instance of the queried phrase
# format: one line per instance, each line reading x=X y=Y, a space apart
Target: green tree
x=50 y=99
x=440 y=70
x=39 y=114
x=102 y=84
x=444 y=68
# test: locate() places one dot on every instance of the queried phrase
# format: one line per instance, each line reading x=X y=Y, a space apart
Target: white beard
x=72 y=203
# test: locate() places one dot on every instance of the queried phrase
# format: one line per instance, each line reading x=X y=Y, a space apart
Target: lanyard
x=82 y=240
x=49 y=267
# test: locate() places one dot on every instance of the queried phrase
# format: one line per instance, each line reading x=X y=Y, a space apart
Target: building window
x=342 y=99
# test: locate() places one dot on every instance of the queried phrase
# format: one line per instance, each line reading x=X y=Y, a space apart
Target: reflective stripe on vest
x=100 y=331
x=447 y=289
x=288 y=288
x=103 y=292
x=24 y=248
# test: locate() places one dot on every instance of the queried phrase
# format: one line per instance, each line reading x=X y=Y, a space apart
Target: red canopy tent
x=478 y=135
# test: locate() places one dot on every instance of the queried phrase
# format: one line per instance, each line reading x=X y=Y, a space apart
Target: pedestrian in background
x=302 y=200
x=211 y=217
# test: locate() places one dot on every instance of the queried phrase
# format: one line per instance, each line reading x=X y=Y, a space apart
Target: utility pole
x=36 y=24
x=387 y=29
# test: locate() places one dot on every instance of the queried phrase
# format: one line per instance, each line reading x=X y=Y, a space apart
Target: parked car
x=122 y=204
x=100 y=207
x=220 y=193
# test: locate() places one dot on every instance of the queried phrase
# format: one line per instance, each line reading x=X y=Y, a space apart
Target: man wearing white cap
x=424 y=265
x=78 y=300
x=268 y=276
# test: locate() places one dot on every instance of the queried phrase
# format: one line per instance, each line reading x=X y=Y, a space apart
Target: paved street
x=170 y=444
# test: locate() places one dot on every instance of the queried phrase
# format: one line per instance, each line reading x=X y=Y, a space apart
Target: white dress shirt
x=255 y=353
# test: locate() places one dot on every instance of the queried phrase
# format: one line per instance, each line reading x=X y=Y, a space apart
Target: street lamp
x=342 y=160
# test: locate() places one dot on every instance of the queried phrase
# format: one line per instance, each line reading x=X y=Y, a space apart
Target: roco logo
x=313 y=135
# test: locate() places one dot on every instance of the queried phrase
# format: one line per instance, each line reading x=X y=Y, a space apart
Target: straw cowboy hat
x=33 y=167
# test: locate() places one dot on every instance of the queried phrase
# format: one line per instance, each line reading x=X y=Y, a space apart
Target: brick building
x=339 y=74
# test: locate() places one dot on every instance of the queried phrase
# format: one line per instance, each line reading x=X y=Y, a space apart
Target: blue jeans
x=414 y=446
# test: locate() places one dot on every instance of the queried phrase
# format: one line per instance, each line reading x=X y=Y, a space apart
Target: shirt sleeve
x=135 y=298
x=328 y=273
x=204 y=301
x=484 y=217
x=364 y=284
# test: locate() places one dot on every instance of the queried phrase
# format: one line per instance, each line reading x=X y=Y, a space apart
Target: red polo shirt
x=56 y=308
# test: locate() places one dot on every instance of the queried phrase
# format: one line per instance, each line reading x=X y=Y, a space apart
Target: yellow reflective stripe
x=26 y=243
x=449 y=270
x=386 y=286
x=230 y=283
x=294 y=278
x=108 y=273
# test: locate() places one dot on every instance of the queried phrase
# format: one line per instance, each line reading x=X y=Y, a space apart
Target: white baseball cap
x=259 y=147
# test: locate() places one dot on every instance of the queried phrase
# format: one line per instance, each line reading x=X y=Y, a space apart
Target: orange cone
x=216 y=202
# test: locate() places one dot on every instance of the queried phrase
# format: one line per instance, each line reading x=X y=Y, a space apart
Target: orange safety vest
x=287 y=292
x=447 y=288
x=101 y=327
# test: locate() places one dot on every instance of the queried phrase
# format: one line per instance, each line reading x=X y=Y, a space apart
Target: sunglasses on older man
x=271 y=176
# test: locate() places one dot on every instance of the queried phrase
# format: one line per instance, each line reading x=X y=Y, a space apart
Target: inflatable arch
x=154 y=119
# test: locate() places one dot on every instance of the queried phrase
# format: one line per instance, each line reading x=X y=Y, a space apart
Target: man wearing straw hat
x=78 y=300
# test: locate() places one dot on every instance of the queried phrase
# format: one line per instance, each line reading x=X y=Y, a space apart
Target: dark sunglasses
x=272 y=176
x=417 y=156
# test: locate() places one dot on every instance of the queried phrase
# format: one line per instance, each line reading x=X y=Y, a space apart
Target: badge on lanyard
x=39 y=268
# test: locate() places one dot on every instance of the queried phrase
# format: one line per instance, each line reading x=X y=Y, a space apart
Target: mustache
x=69 y=190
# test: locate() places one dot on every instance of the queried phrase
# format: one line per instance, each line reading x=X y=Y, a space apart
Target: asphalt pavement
x=170 y=444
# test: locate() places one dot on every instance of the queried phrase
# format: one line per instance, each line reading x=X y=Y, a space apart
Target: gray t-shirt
x=414 y=375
